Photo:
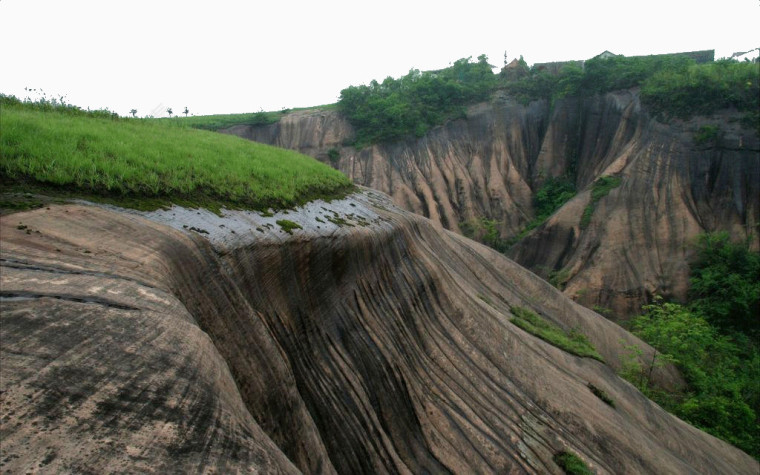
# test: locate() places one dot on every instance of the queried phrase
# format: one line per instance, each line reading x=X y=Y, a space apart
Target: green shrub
x=725 y=284
x=334 y=155
x=571 y=463
x=706 y=134
x=558 y=278
x=573 y=341
x=554 y=193
x=721 y=370
x=601 y=394
x=484 y=230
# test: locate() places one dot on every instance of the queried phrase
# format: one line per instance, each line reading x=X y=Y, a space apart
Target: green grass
x=573 y=341
x=137 y=161
x=571 y=463
x=223 y=121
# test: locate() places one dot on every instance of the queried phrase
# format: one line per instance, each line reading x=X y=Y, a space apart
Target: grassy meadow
x=65 y=149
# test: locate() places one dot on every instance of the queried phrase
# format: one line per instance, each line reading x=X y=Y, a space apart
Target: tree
x=721 y=370
x=133 y=112
x=186 y=111
x=169 y=111
x=725 y=284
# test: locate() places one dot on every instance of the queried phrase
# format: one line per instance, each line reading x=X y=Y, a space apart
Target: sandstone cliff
x=369 y=340
x=491 y=164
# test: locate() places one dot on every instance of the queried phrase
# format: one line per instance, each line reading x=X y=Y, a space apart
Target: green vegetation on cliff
x=394 y=109
x=713 y=340
x=573 y=341
x=64 y=149
x=703 y=89
x=601 y=188
x=412 y=104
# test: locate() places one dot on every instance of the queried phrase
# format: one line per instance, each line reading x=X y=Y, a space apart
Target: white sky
x=226 y=56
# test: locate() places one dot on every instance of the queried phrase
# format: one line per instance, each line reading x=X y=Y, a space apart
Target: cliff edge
x=638 y=238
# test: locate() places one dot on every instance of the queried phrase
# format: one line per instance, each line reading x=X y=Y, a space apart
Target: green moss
x=573 y=341
x=287 y=225
x=571 y=463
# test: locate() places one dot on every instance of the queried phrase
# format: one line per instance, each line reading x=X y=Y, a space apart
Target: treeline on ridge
x=671 y=86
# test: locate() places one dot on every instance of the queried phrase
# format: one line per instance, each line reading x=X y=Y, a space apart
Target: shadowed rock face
x=490 y=165
x=368 y=340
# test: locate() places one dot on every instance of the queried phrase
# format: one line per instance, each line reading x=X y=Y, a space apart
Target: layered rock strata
x=368 y=340
x=490 y=165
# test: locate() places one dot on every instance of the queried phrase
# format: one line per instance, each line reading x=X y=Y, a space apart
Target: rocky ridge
x=368 y=339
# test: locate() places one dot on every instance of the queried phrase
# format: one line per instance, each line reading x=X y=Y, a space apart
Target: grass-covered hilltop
x=58 y=149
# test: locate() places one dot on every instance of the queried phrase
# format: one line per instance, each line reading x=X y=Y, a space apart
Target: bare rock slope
x=490 y=165
x=368 y=340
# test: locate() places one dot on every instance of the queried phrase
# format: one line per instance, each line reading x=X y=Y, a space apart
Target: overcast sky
x=227 y=56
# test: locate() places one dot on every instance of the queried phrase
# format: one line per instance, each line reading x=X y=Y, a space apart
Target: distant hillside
x=524 y=171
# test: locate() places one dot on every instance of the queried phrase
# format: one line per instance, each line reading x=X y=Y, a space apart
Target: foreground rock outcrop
x=368 y=340
x=490 y=165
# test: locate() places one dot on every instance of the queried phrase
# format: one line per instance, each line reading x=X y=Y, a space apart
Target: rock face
x=368 y=340
x=490 y=165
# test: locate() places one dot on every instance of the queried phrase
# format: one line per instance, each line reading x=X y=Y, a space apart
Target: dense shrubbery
x=597 y=75
x=672 y=85
x=414 y=103
x=552 y=195
x=703 y=89
x=619 y=72
x=714 y=342
x=725 y=284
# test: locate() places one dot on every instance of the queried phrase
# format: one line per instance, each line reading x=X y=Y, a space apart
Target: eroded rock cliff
x=490 y=165
x=368 y=340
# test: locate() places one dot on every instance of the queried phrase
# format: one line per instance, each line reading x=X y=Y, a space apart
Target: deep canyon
x=489 y=165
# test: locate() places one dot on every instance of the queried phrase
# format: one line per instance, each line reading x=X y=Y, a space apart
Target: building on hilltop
x=606 y=55
x=516 y=69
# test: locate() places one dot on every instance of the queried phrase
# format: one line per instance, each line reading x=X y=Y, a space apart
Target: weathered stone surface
x=491 y=164
x=368 y=340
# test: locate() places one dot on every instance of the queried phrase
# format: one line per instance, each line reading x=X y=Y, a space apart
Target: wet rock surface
x=367 y=340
